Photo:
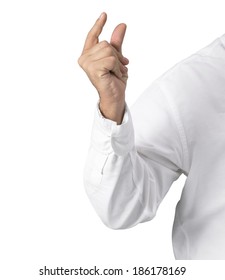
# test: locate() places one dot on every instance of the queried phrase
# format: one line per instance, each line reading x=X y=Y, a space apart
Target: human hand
x=106 y=68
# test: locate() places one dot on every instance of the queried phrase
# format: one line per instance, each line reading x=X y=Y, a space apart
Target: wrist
x=113 y=111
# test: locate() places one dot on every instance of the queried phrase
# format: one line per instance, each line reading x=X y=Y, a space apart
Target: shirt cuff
x=108 y=137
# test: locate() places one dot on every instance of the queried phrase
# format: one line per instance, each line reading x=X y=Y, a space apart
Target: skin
x=105 y=66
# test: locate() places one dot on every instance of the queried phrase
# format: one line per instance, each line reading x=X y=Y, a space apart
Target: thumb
x=118 y=36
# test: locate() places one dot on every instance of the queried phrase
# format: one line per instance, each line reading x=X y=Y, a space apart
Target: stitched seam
x=222 y=42
x=134 y=180
x=181 y=132
x=185 y=235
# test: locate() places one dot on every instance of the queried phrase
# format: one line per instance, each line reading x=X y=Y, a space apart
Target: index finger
x=93 y=34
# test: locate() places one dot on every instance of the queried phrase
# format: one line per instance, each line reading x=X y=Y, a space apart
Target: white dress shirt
x=176 y=126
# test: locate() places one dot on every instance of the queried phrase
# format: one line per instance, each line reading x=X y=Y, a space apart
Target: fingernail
x=126 y=60
x=101 y=16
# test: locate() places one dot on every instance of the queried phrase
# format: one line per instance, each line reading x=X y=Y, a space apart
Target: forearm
x=112 y=110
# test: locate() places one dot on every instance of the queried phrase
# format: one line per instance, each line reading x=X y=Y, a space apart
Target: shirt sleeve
x=130 y=167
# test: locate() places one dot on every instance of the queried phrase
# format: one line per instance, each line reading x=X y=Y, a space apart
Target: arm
x=130 y=167
x=126 y=177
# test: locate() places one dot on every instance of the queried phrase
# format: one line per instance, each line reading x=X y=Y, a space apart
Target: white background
x=46 y=113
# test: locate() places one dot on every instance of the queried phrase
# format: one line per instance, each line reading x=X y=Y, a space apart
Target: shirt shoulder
x=215 y=49
x=211 y=55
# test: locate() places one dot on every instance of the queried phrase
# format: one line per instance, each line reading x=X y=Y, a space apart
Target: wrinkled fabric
x=177 y=126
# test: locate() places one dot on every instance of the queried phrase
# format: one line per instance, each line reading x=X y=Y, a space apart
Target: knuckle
x=80 y=61
x=113 y=59
x=108 y=51
x=106 y=48
x=83 y=62
x=104 y=44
